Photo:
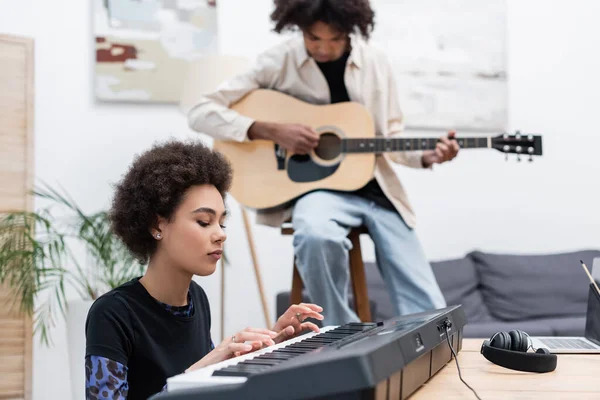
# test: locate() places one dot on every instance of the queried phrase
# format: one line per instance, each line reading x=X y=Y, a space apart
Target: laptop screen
x=592 y=322
x=596 y=270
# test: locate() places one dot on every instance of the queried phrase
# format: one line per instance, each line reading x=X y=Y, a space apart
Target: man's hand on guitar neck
x=445 y=150
x=299 y=139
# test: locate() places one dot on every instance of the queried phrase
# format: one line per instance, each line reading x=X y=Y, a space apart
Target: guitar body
x=263 y=178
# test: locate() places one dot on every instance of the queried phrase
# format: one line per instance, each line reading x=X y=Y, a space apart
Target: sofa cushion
x=486 y=329
x=568 y=326
x=378 y=293
x=526 y=287
x=460 y=284
x=457 y=279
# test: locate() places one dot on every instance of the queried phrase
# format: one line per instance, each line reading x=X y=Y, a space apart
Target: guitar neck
x=383 y=145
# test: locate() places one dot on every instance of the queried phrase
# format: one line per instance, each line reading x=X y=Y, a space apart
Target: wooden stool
x=357 y=274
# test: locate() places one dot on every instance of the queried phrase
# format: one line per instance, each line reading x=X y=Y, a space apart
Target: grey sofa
x=540 y=294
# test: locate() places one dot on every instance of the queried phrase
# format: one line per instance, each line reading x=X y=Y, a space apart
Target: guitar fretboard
x=382 y=145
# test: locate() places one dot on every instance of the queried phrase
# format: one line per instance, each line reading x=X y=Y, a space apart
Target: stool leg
x=359 y=280
x=297 y=285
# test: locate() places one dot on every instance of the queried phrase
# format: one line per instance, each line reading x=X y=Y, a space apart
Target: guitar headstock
x=519 y=143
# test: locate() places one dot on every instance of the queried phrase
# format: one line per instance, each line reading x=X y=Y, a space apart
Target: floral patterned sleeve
x=106 y=379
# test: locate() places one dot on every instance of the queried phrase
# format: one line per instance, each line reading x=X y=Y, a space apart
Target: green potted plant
x=43 y=253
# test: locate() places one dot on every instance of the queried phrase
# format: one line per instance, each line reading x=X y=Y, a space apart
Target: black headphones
x=509 y=350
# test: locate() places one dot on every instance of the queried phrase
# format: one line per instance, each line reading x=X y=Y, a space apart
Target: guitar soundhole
x=329 y=146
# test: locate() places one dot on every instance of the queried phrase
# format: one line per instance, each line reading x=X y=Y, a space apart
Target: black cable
x=457 y=366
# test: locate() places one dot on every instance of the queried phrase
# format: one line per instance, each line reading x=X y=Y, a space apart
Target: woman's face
x=193 y=239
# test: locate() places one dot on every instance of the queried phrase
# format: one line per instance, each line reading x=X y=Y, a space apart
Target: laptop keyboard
x=567 y=344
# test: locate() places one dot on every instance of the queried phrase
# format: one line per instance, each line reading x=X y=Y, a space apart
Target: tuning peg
x=519 y=158
x=530 y=158
x=518 y=135
x=506 y=157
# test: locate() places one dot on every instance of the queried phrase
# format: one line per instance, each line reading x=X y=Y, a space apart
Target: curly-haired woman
x=331 y=61
x=169 y=210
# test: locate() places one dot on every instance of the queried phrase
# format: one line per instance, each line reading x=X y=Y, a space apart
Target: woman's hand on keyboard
x=243 y=342
x=291 y=323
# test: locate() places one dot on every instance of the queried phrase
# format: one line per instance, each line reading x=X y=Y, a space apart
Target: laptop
x=573 y=345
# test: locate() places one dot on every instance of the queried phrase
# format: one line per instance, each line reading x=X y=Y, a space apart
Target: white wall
x=479 y=201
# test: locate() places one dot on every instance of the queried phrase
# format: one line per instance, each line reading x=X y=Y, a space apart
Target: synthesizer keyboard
x=352 y=361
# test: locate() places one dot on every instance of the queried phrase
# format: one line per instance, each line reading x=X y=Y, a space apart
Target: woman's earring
x=158 y=235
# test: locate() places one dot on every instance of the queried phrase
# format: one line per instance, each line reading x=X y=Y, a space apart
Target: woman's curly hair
x=347 y=16
x=155 y=185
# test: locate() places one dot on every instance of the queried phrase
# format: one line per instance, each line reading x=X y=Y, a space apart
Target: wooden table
x=575 y=377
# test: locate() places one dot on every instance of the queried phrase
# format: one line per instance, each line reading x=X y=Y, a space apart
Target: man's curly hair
x=155 y=185
x=347 y=16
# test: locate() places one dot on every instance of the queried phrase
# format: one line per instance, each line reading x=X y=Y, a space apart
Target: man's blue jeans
x=322 y=221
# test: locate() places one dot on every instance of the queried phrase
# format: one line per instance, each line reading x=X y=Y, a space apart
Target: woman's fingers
x=285 y=334
x=255 y=334
x=291 y=331
x=239 y=347
x=263 y=331
x=313 y=307
x=306 y=308
x=290 y=323
x=242 y=337
x=304 y=311
x=309 y=325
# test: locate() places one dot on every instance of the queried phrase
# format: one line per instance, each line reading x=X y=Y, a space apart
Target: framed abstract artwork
x=449 y=61
x=143 y=47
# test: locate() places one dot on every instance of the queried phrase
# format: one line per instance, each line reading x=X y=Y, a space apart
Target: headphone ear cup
x=542 y=350
x=501 y=340
x=519 y=341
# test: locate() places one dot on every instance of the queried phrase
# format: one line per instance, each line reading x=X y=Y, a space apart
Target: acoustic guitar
x=266 y=176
